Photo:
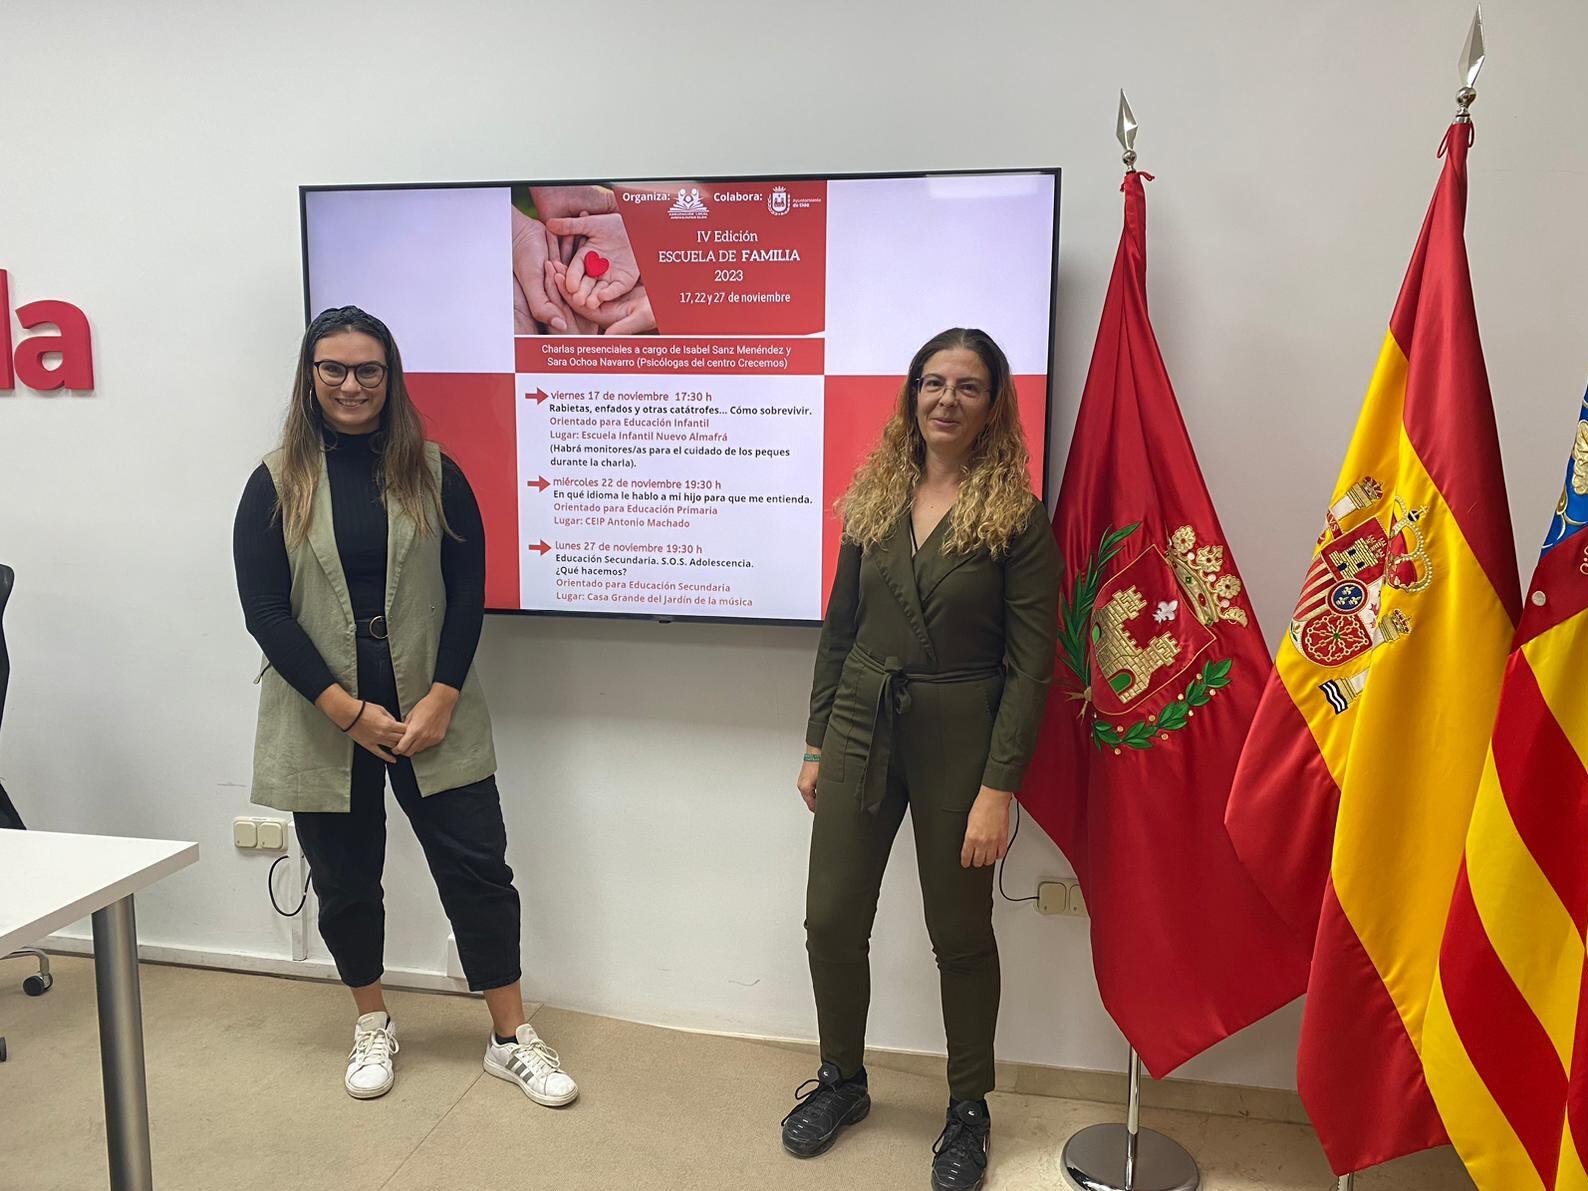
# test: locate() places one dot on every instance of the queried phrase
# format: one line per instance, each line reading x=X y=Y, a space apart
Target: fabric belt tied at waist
x=893 y=700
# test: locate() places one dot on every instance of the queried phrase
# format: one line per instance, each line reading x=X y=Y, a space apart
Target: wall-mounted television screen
x=658 y=389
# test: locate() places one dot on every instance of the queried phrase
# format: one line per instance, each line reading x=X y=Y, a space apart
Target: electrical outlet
x=1061 y=897
x=1053 y=897
x=264 y=835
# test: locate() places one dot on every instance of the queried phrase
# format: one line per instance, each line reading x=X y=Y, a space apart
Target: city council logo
x=778 y=201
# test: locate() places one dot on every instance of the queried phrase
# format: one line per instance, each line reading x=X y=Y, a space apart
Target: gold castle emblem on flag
x=1126 y=665
x=1154 y=618
x=1340 y=617
x=1134 y=642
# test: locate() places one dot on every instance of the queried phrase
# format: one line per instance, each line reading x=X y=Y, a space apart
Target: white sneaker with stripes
x=371 y=1067
x=528 y=1062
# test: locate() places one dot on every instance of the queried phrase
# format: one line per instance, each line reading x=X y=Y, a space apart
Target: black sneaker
x=825 y=1105
x=959 y=1158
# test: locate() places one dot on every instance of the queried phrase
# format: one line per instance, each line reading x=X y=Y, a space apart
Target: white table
x=50 y=880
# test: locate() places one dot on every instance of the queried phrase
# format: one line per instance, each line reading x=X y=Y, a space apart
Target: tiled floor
x=245 y=1094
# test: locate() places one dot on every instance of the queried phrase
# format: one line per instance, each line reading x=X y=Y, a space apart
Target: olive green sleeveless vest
x=302 y=762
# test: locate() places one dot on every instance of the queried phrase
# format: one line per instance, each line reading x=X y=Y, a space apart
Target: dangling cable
x=270 y=887
x=1005 y=860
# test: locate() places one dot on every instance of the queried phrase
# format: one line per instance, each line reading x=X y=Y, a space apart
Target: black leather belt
x=374 y=628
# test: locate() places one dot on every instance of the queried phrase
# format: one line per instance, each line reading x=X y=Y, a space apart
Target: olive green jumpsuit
x=931 y=679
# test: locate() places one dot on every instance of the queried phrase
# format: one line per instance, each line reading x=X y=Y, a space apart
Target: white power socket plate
x=259 y=834
x=1061 y=897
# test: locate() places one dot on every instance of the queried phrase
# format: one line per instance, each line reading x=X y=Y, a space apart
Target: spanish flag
x=1355 y=787
x=1505 y=1045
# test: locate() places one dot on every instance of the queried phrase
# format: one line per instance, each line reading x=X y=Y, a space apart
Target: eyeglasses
x=334 y=372
x=936 y=386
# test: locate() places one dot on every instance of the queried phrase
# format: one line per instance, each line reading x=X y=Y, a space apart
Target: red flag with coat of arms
x=1161 y=664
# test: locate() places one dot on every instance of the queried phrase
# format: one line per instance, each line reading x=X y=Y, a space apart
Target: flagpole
x=1347 y=1182
x=1127 y=1157
x=1471 y=66
x=1133 y=1117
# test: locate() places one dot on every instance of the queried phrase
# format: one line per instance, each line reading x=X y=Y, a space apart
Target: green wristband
x=813 y=756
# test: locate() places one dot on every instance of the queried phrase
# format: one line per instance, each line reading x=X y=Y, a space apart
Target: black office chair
x=37 y=985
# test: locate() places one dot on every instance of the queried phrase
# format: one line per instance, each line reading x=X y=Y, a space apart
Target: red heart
x=596 y=265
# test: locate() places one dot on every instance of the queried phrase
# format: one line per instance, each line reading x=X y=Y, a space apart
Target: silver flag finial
x=1127 y=131
x=1471 y=66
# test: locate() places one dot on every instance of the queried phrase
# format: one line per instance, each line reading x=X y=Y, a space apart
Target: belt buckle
x=377 y=628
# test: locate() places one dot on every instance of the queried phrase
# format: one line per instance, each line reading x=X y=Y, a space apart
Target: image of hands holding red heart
x=574 y=270
x=603 y=267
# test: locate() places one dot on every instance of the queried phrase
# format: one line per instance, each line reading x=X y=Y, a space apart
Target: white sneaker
x=533 y=1066
x=370 y=1067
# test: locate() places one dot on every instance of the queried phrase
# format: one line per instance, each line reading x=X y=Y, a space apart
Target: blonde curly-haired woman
x=931 y=678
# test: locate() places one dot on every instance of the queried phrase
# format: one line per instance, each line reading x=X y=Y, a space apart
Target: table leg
x=121 y=1047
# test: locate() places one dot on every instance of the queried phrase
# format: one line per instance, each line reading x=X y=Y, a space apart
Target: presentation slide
x=659 y=389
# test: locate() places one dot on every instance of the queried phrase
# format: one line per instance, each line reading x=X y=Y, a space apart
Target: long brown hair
x=995 y=499
x=403 y=474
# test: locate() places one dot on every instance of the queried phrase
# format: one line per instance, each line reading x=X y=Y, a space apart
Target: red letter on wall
x=74 y=343
x=7 y=382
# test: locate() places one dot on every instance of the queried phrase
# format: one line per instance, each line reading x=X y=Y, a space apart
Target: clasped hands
x=377 y=730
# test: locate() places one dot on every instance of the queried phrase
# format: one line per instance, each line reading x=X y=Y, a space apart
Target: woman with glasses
x=931 y=677
x=360 y=559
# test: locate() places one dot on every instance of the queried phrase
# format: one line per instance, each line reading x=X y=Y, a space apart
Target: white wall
x=149 y=156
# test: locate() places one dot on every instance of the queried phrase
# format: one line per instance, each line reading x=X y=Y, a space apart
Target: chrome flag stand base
x=1127 y=1157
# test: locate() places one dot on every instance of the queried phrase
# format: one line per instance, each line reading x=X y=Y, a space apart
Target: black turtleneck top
x=264 y=577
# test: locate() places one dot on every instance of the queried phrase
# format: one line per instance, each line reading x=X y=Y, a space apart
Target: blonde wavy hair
x=404 y=475
x=995 y=499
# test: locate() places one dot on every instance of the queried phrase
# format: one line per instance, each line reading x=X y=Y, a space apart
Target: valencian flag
x=1505 y=1044
x=1160 y=667
x=1356 y=785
